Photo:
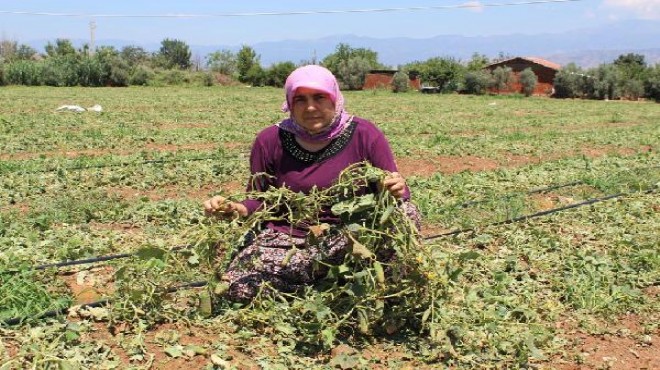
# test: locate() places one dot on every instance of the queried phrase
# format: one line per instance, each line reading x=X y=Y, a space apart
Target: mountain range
x=586 y=47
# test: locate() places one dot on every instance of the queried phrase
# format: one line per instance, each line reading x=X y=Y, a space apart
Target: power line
x=307 y=12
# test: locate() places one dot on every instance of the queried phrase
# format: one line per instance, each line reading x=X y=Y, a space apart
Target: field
x=574 y=289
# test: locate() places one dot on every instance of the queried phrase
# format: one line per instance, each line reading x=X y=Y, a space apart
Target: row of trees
x=627 y=77
x=64 y=65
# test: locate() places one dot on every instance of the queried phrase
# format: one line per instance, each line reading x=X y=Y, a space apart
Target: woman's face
x=312 y=109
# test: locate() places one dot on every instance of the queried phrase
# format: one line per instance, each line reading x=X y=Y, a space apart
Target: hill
x=586 y=47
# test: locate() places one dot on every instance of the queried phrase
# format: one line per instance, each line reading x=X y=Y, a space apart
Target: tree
x=25 y=52
x=477 y=63
x=632 y=70
x=223 y=61
x=631 y=65
x=444 y=73
x=502 y=77
x=352 y=72
x=277 y=73
x=174 y=54
x=62 y=47
x=528 y=80
x=256 y=75
x=350 y=65
x=477 y=82
x=400 y=82
x=7 y=50
x=570 y=82
x=344 y=52
x=134 y=55
x=606 y=82
x=652 y=83
x=246 y=60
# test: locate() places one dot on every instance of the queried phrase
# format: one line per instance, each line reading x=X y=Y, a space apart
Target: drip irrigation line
x=546 y=189
x=100 y=303
x=89 y=260
x=128 y=164
x=537 y=214
x=197 y=284
x=534 y=191
x=431 y=237
x=83 y=261
x=53 y=313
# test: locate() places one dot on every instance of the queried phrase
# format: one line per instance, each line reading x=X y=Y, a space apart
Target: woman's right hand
x=221 y=207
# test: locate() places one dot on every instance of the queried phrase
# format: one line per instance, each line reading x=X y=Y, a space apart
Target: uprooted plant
x=382 y=282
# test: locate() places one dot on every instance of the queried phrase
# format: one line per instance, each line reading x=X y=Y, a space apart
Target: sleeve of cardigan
x=381 y=156
x=257 y=181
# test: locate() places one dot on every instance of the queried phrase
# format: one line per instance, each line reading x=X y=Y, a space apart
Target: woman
x=310 y=148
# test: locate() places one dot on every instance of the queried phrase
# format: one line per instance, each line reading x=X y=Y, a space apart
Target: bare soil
x=425 y=165
x=175 y=192
x=624 y=346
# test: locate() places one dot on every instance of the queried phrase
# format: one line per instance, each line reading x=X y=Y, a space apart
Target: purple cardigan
x=270 y=155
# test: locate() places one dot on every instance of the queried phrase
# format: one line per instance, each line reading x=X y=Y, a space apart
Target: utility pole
x=92 y=29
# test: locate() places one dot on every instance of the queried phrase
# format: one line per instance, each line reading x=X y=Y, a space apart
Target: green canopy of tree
x=223 y=61
x=350 y=65
x=247 y=61
x=174 y=54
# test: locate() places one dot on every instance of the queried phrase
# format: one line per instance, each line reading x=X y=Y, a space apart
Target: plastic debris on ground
x=79 y=109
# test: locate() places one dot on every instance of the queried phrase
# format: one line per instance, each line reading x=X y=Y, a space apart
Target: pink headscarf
x=318 y=78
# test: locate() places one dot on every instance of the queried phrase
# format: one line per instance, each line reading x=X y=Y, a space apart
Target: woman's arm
x=381 y=156
x=259 y=180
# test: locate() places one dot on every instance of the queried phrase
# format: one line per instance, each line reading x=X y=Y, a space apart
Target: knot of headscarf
x=318 y=78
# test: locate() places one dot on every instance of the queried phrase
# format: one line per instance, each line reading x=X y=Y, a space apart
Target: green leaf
x=284 y=329
x=328 y=336
x=174 y=351
x=466 y=256
x=148 y=253
x=192 y=350
x=193 y=260
x=345 y=361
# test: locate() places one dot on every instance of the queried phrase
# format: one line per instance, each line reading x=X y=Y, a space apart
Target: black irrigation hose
x=15 y=321
x=449 y=233
x=545 y=189
x=537 y=214
x=127 y=164
x=103 y=302
x=88 y=260
x=534 y=191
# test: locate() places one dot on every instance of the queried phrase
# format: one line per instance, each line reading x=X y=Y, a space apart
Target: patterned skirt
x=267 y=257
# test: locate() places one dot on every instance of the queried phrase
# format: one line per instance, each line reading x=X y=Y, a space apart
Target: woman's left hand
x=395 y=184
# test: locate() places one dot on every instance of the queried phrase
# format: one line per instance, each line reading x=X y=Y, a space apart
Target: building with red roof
x=544 y=70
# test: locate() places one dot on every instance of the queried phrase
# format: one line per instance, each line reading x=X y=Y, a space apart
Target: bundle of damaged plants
x=381 y=285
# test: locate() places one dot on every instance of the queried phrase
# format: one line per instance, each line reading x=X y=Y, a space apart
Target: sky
x=231 y=23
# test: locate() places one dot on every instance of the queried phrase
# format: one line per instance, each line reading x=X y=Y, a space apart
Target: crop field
x=540 y=245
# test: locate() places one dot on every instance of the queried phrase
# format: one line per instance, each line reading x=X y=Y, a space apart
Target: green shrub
x=61 y=71
x=174 y=77
x=632 y=89
x=23 y=72
x=276 y=75
x=119 y=73
x=477 y=82
x=141 y=76
x=528 y=80
x=502 y=78
x=208 y=79
x=400 y=82
x=652 y=83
